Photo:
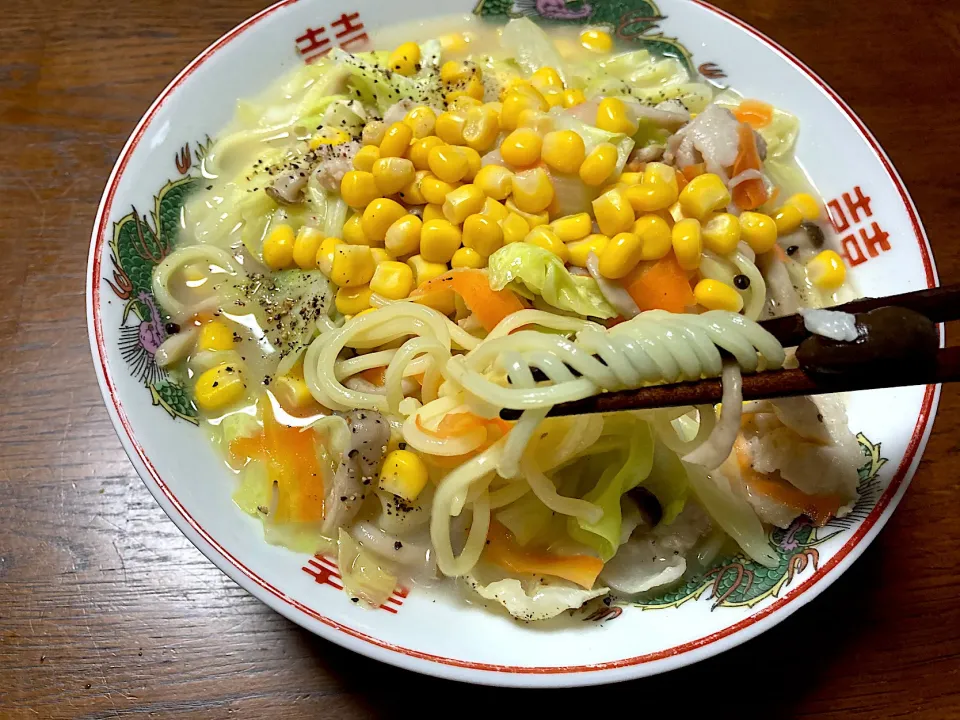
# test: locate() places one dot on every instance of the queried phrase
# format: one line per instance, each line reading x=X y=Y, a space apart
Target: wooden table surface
x=107 y=610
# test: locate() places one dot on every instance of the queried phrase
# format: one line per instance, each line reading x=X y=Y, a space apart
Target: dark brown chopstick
x=938 y=304
x=762 y=386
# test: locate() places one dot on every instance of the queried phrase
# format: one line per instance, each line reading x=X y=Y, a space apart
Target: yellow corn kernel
x=546 y=78
x=278 y=247
x=328 y=136
x=597 y=41
x=392 y=280
x=359 y=188
x=353 y=265
x=421 y=120
x=573 y=97
x=581 y=249
x=305 y=247
x=433 y=211
x=599 y=165
x=456 y=42
x=405 y=60
x=461 y=102
x=396 y=140
x=465 y=200
x=687 y=243
x=403 y=237
x=495 y=181
x=353 y=300
x=759 y=231
x=621 y=255
x=614 y=116
x=470 y=88
x=630 y=178
x=325 y=254
x=657 y=172
x=516 y=101
x=380 y=255
x=435 y=190
x=613 y=212
x=411 y=194
x=546 y=238
x=366 y=157
x=827 y=270
x=448 y=163
x=494 y=209
x=454 y=71
x=292 y=392
x=533 y=219
x=532 y=190
x=572 y=227
x=353 y=231
x=219 y=387
x=468 y=258
x=650 y=197
x=563 y=150
x=373 y=132
x=420 y=151
x=807 y=205
x=483 y=234
x=392 y=174
x=716 y=295
x=512 y=83
x=380 y=215
x=450 y=127
x=439 y=240
x=474 y=163
x=482 y=127
x=787 y=219
x=424 y=270
x=521 y=147
x=214 y=335
x=654 y=231
x=554 y=98
x=702 y=195
x=721 y=233
x=404 y=474
x=514 y=227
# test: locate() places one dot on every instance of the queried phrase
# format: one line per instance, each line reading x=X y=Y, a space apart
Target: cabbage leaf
x=539 y=271
x=604 y=535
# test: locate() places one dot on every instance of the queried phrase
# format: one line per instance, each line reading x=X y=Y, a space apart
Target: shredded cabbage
x=733 y=513
x=363 y=577
x=541 y=272
x=531 y=47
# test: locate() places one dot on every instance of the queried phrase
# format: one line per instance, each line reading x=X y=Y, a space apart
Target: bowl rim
x=453 y=668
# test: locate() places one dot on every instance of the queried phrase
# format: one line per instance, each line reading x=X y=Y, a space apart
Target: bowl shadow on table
x=774 y=670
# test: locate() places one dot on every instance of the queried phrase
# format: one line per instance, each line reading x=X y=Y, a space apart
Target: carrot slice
x=291 y=458
x=755 y=113
x=750 y=194
x=375 y=376
x=662 y=286
x=819 y=508
x=503 y=551
x=692 y=171
x=490 y=306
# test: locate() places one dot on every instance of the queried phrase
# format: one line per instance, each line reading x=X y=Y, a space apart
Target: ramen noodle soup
x=393 y=247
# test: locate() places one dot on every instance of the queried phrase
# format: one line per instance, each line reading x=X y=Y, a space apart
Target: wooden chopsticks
x=938 y=305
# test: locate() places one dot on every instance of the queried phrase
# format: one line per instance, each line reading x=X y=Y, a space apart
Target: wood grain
x=108 y=611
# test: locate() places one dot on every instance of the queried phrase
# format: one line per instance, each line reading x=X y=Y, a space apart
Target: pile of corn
x=425 y=203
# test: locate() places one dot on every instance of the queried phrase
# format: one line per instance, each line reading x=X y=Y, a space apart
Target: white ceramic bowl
x=878 y=230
